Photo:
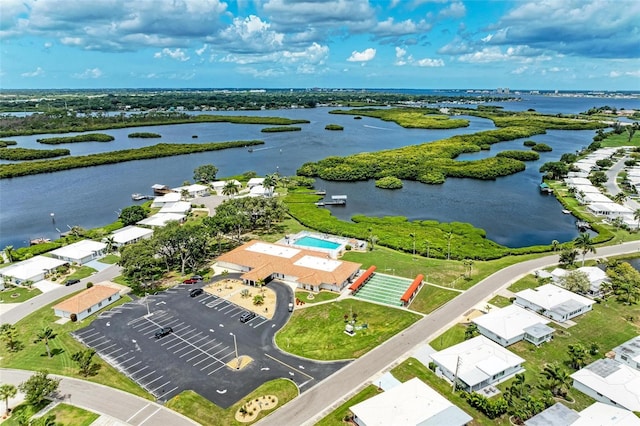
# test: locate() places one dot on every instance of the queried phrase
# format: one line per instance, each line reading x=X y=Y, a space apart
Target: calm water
x=510 y=209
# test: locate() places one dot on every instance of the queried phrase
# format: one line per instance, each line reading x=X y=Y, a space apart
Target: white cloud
x=616 y=74
x=364 y=56
x=523 y=54
x=203 y=49
x=520 y=70
x=37 y=73
x=427 y=62
x=88 y=73
x=455 y=10
x=249 y=35
x=177 y=54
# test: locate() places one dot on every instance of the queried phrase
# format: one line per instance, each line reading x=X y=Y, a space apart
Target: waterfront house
x=575 y=181
x=180 y=207
x=33 y=270
x=160 y=220
x=592 y=197
x=170 y=197
x=629 y=353
x=611 y=382
x=477 y=363
x=194 y=190
x=610 y=210
x=553 y=302
x=262 y=261
x=87 y=302
x=408 y=404
x=129 y=235
x=255 y=182
x=81 y=252
x=513 y=323
x=219 y=185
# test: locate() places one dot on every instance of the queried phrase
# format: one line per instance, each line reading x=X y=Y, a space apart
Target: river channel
x=511 y=210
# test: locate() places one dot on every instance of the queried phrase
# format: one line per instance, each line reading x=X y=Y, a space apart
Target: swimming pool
x=308 y=241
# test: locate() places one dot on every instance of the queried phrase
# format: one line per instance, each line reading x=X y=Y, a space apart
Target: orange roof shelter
x=86 y=302
x=266 y=261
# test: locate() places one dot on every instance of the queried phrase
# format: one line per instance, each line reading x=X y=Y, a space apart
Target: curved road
x=123 y=406
x=315 y=403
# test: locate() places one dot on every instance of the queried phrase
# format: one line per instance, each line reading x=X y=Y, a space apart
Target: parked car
x=197 y=277
x=290 y=307
x=71 y=282
x=247 y=316
x=189 y=281
x=196 y=292
x=163 y=332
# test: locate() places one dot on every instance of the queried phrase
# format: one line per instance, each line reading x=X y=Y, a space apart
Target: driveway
x=200 y=352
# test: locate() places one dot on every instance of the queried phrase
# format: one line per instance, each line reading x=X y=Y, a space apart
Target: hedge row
x=20 y=154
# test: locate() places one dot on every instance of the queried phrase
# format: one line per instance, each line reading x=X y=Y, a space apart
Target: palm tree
x=45 y=335
x=585 y=244
x=7 y=391
x=468 y=263
x=8 y=251
x=270 y=182
x=578 y=354
x=558 y=380
x=636 y=216
x=230 y=189
x=373 y=240
x=110 y=241
x=620 y=198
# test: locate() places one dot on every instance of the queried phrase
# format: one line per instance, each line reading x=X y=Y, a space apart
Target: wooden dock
x=336 y=200
x=583 y=226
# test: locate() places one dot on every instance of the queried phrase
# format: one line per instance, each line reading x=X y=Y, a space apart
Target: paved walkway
x=124 y=407
x=323 y=398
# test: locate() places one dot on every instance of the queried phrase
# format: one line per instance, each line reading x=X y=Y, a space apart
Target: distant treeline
x=20 y=154
x=65 y=122
x=155 y=151
x=89 y=137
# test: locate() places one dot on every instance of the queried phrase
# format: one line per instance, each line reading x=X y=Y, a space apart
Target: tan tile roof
x=262 y=265
x=86 y=299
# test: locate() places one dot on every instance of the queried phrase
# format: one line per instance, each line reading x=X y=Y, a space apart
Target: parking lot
x=195 y=354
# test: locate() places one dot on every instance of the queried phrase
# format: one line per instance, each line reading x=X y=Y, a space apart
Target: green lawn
x=18 y=294
x=336 y=416
x=33 y=356
x=528 y=281
x=81 y=272
x=110 y=259
x=207 y=413
x=451 y=337
x=317 y=332
x=500 y=301
x=71 y=415
x=431 y=298
x=622 y=139
x=24 y=411
x=323 y=296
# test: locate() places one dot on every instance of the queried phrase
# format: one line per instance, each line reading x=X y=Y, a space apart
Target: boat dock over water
x=336 y=200
x=545 y=189
x=138 y=197
x=583 y=226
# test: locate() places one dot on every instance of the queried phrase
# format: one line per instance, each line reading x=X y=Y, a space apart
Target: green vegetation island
x=89 y=137
x=281 y=129
x=20 y=154
x=411 y=118
x=144 y=135
x=333 y=127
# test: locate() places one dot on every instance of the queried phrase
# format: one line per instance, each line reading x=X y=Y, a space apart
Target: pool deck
x=356 y=245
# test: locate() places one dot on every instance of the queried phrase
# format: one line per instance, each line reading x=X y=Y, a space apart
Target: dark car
x=163 y=332
x=195 y=292
x=247 y=316
x=197 y=277
x=189 y=281
x=71 y=282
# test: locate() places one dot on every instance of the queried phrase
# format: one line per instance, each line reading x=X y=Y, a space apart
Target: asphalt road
x=322 y=399
x=17 y=313
x=123 y=406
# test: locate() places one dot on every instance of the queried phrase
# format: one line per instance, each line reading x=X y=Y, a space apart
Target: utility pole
x=455 y=376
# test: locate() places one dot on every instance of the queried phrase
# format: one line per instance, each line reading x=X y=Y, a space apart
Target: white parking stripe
x=258 y=325
x=145 y=376
x=154 y=380
x=187 y=353
x=159 y=387
x=137 y=412
x=150 y=415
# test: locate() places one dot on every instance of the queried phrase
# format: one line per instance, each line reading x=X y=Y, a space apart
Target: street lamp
x=414 y=242
x=146 y=299
x=235 y=345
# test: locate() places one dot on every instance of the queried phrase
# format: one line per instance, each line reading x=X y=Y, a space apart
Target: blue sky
x=428 y=44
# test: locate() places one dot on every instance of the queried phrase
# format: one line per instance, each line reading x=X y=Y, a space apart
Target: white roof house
x=479 y=362
x=611 y=382
x=258 y=191
x=34 y=269
x=587 y=189
x=411 y=403
x=161 y=219
x=511 y=324
x=194 y=190
x=597 y=414
x=610 y=209
x=573 y=181
x=593 y=197
x=81 y=252
x=220 y=184
x=553 y=302
x=629 y=353
x=130 y=235
x=595 y=275
x=254 y=182
x=160 y=201
x=181 y=207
